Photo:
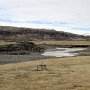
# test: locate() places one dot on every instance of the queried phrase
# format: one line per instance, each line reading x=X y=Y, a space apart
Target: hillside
x=15 y=34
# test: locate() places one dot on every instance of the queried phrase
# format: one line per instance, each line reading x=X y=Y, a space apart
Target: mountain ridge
x=18 y=34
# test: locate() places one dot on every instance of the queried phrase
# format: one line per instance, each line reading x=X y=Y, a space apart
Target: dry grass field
x=52 y=42
x=71 y=42
x=6 y=43
x=69 y=73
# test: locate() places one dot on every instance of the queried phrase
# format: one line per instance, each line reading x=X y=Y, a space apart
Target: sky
x=62 y=15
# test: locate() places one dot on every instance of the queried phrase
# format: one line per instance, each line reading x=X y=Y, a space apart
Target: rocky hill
x=8 y=33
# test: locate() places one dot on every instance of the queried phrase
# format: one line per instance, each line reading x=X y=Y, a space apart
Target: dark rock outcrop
x=20 y=48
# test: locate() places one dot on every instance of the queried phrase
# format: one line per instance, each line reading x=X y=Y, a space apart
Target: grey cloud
x=47 y=10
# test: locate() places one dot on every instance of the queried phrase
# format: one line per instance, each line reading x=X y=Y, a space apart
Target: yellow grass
x=71 y=73
x=6 y=43
x=63 y=42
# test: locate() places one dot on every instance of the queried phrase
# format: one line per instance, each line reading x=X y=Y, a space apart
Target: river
x=49 y=53
x=62 y=52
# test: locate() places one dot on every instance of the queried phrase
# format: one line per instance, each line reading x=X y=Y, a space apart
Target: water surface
x=62 y=52
x=49 y=53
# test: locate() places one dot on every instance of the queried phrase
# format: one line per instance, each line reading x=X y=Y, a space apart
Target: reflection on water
x=62 y=52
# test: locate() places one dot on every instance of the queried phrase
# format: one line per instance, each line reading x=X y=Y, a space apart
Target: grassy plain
x=63 y=42
x=6 y=43
x=69 y=73
x=53 y=42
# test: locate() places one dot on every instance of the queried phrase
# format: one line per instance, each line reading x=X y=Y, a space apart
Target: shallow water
x=49 y=53
x=62 y=52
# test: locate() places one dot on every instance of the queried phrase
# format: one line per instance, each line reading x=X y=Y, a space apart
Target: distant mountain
x=9 y=33
x=86 y=34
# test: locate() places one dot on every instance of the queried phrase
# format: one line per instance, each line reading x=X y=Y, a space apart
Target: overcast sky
x=67 y=15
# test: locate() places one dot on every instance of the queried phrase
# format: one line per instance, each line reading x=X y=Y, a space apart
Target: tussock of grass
x=70 y=73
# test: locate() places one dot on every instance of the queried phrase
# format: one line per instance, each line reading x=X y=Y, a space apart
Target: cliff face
x=28 y=34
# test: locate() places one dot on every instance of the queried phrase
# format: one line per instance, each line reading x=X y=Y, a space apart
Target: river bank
x=49 y=53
